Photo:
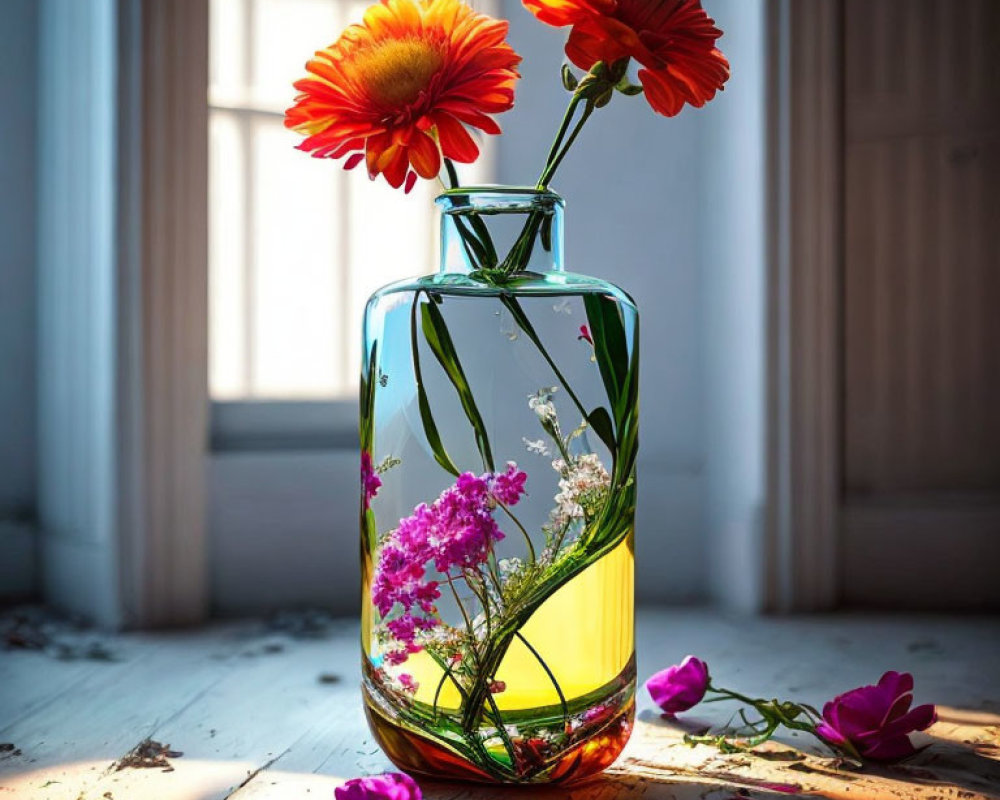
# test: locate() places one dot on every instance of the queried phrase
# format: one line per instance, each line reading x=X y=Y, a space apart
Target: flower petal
x=424 y=155
x=918 y=719
x=680 y=687
x=456 y=143
x=890 y=749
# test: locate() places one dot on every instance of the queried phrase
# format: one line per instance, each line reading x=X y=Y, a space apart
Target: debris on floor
x=305 y=623
x=39 y=628
x=149 y=754
x=8 y=750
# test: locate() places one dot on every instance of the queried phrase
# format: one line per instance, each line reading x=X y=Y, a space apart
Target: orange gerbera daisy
x=397 y=90
x=673 y=40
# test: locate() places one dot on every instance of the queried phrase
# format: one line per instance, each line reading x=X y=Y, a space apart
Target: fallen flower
x=876 y=720
x=387 y=786
x=872 y=722
x=680 y=687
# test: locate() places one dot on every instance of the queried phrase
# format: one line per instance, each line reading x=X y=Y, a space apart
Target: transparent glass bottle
x=499 y=411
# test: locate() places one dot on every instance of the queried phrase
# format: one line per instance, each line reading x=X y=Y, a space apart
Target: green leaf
x=426 y=416
x=473 y=247
x=545 y=234
x=569 y=80
x=437 y=336
x=600 y=421
x=369 y=380
x=371 y=530
x=486 y=241
x=627 y=88
x=627 y=414
x=610 y=348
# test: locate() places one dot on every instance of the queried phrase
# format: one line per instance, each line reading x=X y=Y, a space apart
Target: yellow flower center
x=396 y=71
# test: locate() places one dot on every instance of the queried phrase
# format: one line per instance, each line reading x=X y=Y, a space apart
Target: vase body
x=499 y=412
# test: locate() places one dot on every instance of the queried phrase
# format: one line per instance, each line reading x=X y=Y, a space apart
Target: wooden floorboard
x=247 y=707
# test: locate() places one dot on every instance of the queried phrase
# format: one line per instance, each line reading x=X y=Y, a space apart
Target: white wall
x=732 y=224
x=77 y=492
x=18 y=129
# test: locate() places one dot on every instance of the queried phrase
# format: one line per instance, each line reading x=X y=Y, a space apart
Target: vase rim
x=530 y=194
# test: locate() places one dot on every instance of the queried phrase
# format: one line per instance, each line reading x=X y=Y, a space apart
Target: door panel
x=921 y=302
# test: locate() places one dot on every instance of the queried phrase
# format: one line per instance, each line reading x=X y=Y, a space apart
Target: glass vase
x=499 y=411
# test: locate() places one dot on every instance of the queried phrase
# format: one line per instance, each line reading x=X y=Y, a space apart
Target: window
x=296 y=244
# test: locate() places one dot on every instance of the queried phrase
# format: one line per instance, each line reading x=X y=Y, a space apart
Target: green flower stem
x=465 y=614
x=449 y=166
x=552 y=678
x=493 y=572
x=520 y=254
x=562 y=450
x=482 y=595
x=558 y=541
x=773 y=714
x=448 y=675
x=516 y=521
x=560 y=134
x=552 y=165
x=502 y=730
x=510 y=302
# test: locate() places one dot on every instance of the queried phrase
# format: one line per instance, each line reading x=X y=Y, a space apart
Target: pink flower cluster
x=370 y=481
x=457 y=531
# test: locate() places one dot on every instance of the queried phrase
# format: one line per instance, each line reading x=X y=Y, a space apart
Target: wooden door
x=921 y=303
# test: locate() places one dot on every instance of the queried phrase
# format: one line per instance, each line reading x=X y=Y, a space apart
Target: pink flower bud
x=679 y=687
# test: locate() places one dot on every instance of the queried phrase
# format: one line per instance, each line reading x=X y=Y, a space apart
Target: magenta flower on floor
x=876 y=720
x=388 y=786
x=680 y=687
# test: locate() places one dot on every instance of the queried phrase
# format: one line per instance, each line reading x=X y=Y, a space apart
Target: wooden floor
x=272 y=711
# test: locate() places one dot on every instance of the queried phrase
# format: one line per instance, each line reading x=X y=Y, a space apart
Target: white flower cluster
x=582 y=487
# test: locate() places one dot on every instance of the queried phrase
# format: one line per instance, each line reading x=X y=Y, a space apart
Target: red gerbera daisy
x=397 y=90
x=673 y=40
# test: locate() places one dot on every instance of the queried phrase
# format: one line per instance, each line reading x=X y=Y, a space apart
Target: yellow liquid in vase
x=585 y=635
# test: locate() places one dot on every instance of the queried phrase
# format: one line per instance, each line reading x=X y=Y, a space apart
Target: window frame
x=282 y=425
x=314 y=424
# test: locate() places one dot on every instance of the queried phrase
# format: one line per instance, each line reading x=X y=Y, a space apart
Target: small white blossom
x=541 y=404
x=536 y=446
x=509 y=566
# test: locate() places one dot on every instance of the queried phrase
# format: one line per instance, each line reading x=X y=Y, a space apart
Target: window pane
x=227 y=252
x=297 y=293
x=297 y=244
x=285 y=35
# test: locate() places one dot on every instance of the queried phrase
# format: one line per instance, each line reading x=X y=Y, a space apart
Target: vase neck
x=488 y=229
